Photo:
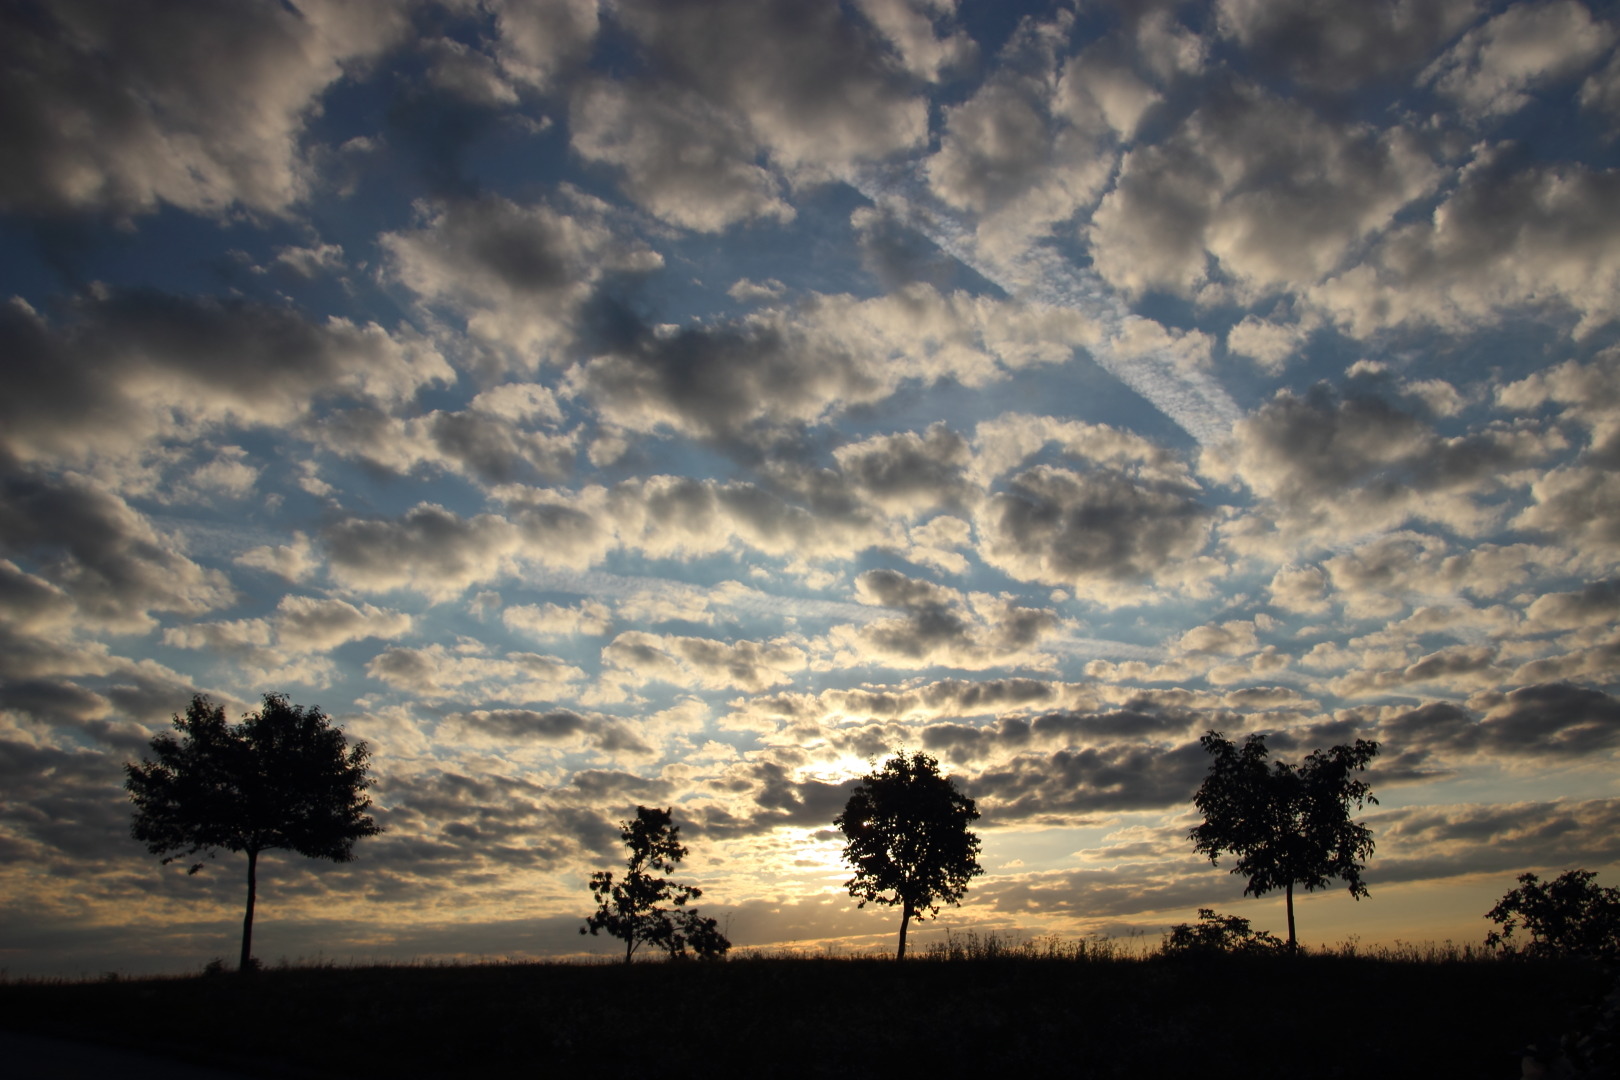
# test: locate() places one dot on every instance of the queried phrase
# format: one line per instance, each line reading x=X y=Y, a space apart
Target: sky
x=688 y=403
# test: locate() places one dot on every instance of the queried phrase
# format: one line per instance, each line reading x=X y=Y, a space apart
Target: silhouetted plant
x=1287 y=824
x=1567 y=916
x=282 y=779
x=907 y=837
x=1217 y=933
x=631 y=909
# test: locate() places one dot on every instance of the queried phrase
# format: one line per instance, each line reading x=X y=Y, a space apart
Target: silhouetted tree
x=631 y=909
x=1288 y=825
x=282 y=779
x=1567 y=916
x=907 y=837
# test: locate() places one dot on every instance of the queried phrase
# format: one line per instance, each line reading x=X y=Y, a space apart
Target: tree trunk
x=1292 y=944
x=629 y=947
x=245 y=964
x=905 y=919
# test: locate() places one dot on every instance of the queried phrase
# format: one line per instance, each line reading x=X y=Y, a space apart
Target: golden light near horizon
x=600 y=405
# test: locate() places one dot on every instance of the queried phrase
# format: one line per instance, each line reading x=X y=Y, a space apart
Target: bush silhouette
x=1215 y=933
x=1567 y=916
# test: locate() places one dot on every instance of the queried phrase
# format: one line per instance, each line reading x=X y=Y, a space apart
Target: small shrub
x=1216 y=933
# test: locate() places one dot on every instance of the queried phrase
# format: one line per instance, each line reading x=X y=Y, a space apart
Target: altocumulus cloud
x=600 y=404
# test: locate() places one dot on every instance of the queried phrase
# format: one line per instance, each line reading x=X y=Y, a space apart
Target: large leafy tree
x=1286 y=824
x=906 y=835
x=633 y=908
x=282 y=779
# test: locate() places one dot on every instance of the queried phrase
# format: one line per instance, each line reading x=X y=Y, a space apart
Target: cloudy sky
x=601 y=402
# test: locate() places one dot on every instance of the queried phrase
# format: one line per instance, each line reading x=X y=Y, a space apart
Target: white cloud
x=436 y=672
x=1277 y=196
x=818 y=92
x=1513 y=235
x=546 y=621
x=682 y=161
x=1494 y=68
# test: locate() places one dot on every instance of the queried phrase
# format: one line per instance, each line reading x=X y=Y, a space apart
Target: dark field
x=1003 y=1017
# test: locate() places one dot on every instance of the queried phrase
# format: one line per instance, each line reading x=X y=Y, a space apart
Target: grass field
x=970 y=1008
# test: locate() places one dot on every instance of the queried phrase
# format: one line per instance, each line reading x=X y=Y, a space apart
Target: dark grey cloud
x=1069 y=785
x=520 y=725
x=953 y=698
x=487 y=448
x=818 y=89
x=1142 y=721
x=1344 y=466
x=53 y=701
x=1073 y=529
x=774 y=798
x=1423 y=843
x=683 y=516
x=553 y=727
x=1450 y=669
x=964 y=743
x=893 y=253
x=1315 y=443
x=1550 y=720
x=930 y=620
x=907 y=472
x=28 y=602
x=1110 y=892
x=737 y=383
x=102 y=553
x=72 y=714
x=490 y=820
x=430 y=549
x=124 y=104
x=941 y=626
x=497 y=452
x=519 y=275
x=121 y=369
x=64 y=807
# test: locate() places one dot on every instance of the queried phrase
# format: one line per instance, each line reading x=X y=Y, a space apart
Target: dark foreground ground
x=1319 y=1016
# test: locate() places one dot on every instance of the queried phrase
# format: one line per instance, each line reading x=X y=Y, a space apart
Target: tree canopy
x=282 y=779
x=1286 y=824
x=906 y=835
x=632 y=908
x=1570 y=915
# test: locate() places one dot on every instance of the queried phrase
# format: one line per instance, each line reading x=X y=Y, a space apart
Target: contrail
x=1039 y=275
